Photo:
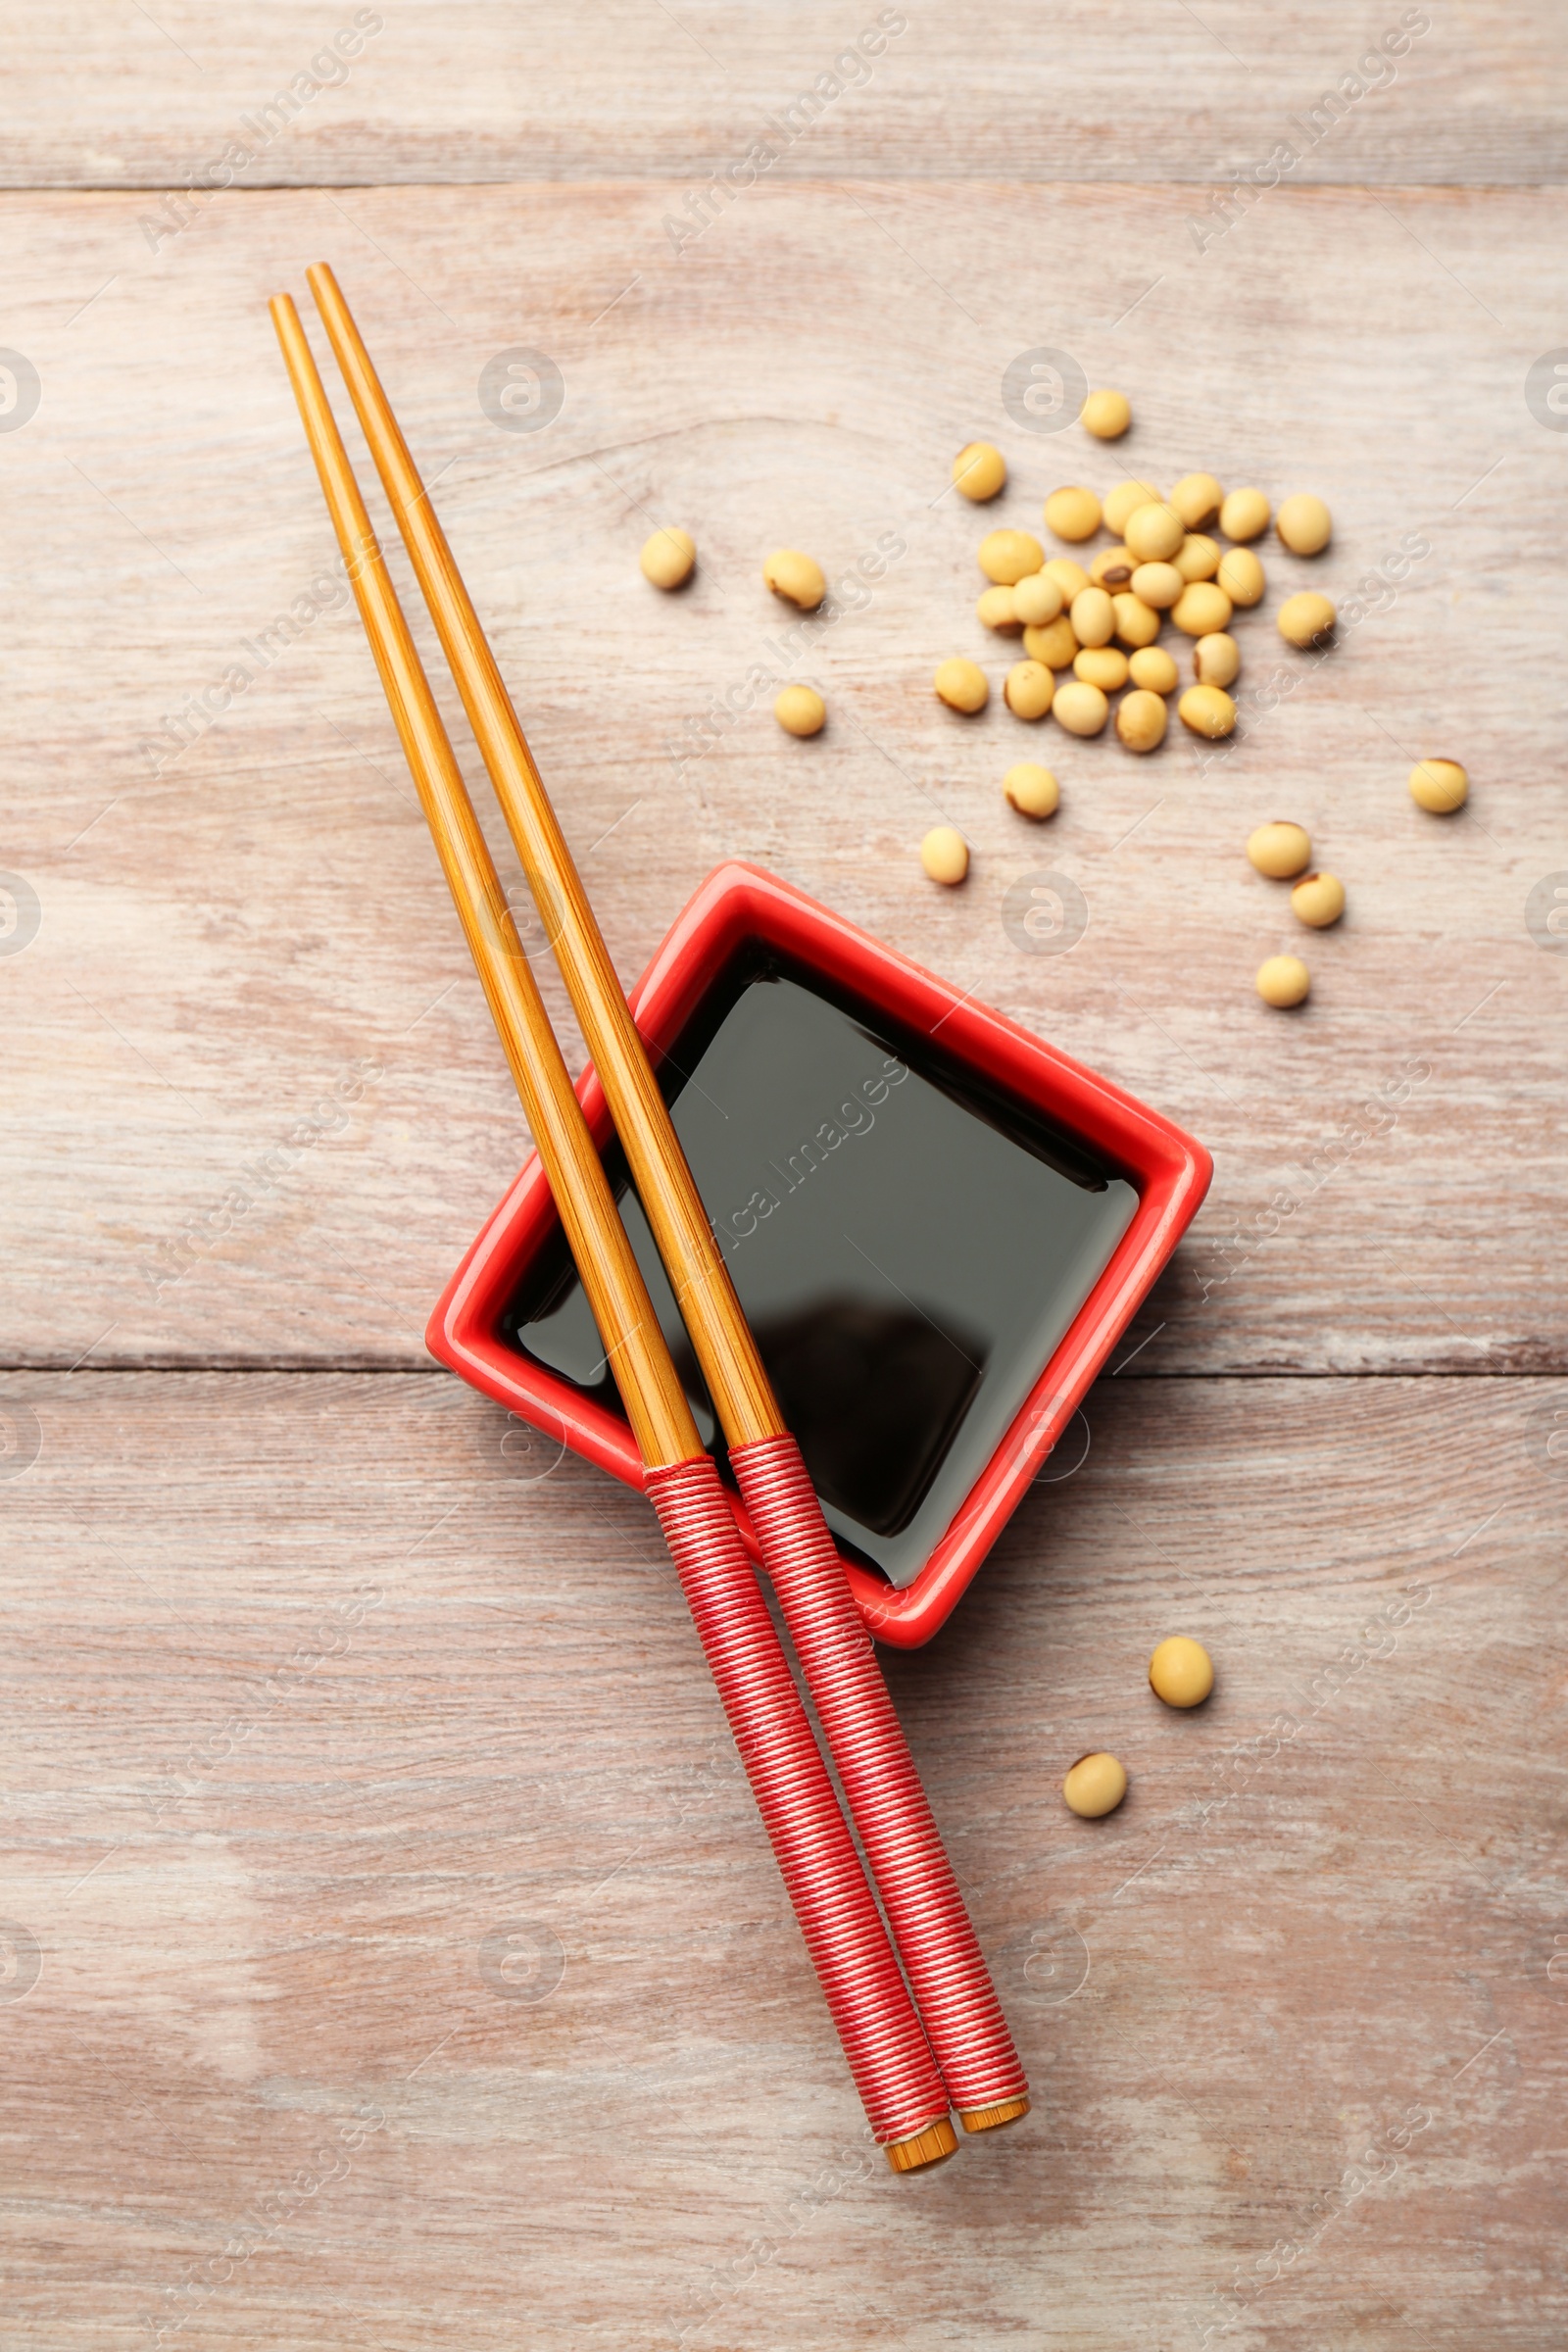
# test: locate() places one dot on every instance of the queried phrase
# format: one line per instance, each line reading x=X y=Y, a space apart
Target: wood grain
x=337 y=1712
x=324 y=1693
x=227 y=941
x=465 y=90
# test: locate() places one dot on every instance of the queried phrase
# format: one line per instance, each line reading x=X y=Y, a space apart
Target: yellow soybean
x=1244 y=515
x=944 y=854
x=799 y=712
x=1125 y=499
x=998 y=609
x=1217 y=659
x=798 y=579
x=1154 y=533
x=1306 y=619
x=1033 y=791
x=1028 y=689
x=1438 y=785
x=1199 y=557
x=1154 y=668
x=1102 y=666
x=1318 y=900
x=1280 y=848
x=1094 y=617
x=1181 y=1672
x=1137 y=624
x=1305 y=525
x=1054 y=644
x=1241 y=575
x=1284 y=980
x=1096 y=1786
x=1142 y=718
x=1197 y=498
x=1201 y=610
x=1036 y=598
x=1006 y=557
x=1105 y=415
x=668 y=558
x=961 y=685
x=1073 y=513
x=1207 y=710
x=979 y=471
x=1081 y=709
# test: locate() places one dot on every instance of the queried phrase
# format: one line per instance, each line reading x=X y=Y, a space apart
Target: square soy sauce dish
x=937 y=1227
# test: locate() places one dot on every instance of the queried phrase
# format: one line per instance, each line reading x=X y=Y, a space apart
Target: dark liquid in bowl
x=909 y=1246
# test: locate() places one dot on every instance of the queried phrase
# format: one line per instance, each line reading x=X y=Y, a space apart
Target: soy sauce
x=909 y=1246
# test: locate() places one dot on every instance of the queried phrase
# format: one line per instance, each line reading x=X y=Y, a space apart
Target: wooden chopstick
x=881 y=2035
x=925 y=1910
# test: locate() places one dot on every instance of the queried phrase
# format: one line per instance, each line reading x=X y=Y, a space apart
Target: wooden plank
x=313 y=1694
x=473 y=90
x=246 y=984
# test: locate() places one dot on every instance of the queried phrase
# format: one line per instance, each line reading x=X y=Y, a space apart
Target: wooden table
x=394 y=1958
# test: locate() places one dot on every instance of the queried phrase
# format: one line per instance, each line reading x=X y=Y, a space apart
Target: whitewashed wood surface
x=107 y=94
x=230 y=930
x=323 y=1680
x=326 y=1692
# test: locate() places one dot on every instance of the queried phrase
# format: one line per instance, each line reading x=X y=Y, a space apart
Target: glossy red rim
x=740 y=904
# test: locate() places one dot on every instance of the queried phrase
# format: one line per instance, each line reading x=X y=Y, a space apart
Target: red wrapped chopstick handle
x=936 y=1941
x=888 y=2053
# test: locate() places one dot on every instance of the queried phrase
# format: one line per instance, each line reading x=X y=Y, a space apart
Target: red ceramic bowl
x=740 y=906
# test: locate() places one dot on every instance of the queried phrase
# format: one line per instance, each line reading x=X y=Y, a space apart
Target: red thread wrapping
x=887 y=2050
x=936 y=1941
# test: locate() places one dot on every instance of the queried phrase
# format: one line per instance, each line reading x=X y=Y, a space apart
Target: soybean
x=1081 y=709
x=1137 y=624
x=1279 y=850
x=1217 y=659
x=1073 y=513
x=1125 y=499
x=1069 y=577
x=961 y=684
x=1036 y=598
x=944 y=854
x=1105 y=415
x=1244 y=515
x=1199 y=557
x=1304 y=524
x=1438 y=785
x=1201 y=610
x=1142 y=718
x=1181 y=1672
x=1306 y=619
x=1284 y=980
x=1054 y=644
x=979 y=471
x=1154 y=533
x=1112 y=569
x=1094 y=617
x=1007 y=557
x=1096 y=1786
x=1102 y=666
x=668 y=557
x=1028 y=689
x=998 y=609
x=1207 y=710
x=799 y=712
x=1151 y=666
x=1241 y=575
x=1318 y=901
x=1197 y=498
x=1158 y=584
x=1033 y=791
x=796 y=579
